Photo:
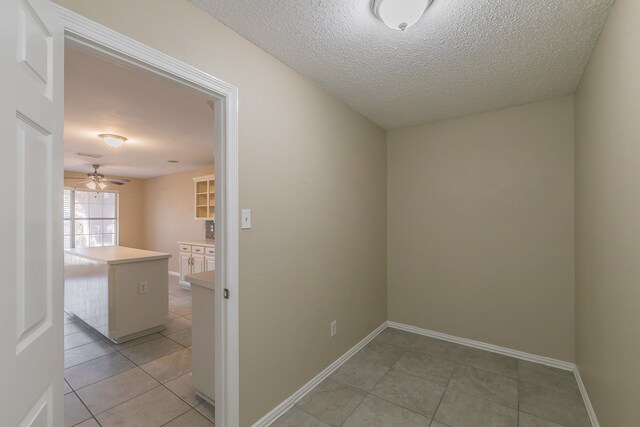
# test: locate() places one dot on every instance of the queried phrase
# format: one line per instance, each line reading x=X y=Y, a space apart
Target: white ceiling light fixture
x=112 y=140
x=400 y=14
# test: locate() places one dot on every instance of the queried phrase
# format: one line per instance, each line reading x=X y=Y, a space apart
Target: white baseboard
x=174 y=273
x=587 y=401
x=295 y=397
x=555 y=363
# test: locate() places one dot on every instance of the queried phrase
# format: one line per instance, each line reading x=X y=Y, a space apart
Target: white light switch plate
x=246 y=219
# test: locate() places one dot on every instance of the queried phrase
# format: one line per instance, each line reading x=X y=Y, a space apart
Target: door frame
x=85 y=33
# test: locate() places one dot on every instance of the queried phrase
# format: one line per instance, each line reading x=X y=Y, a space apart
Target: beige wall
x=607 y=106
x=169 y=213
x=131 y=205
x=481 y=227
x=313 y=173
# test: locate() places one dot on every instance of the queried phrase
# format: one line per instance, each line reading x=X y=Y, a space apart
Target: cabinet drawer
x=210 y=251
x=197 y=249
x=185 y=248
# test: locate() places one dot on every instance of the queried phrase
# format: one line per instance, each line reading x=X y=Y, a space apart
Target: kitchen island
x=121 y=292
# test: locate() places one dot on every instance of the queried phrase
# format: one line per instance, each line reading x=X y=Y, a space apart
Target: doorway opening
x=211 y=195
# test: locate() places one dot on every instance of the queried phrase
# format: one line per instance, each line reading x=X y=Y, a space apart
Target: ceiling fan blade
x=111 y=181
x=116 y=180
x=75 y=177
x=120 y=179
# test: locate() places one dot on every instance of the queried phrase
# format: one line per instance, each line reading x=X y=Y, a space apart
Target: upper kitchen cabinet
x=205 y=196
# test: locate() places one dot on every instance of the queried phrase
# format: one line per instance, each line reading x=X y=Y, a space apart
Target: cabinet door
x=210 y=263
x=198 y=264
x=185 y=265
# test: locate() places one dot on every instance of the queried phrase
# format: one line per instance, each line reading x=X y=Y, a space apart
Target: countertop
x=200 y=242
x=117 y=254
x=206 y=279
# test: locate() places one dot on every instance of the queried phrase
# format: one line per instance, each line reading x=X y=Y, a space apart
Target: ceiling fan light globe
x=91 y=185
x=102 y=185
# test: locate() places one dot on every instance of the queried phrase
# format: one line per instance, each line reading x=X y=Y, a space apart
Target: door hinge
x=225 y=293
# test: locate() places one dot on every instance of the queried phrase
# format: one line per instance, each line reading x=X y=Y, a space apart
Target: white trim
x=587 y=401
x=548 y=361
x=86 y=33
x=174 y=273
x=288 y=403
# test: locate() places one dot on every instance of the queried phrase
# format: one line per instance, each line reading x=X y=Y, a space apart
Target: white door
x=185 y=265
x=197 y=265
x=31 y=117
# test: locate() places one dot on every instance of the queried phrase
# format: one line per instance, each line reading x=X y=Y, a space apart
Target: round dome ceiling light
x=112 y=140
x=400 y=14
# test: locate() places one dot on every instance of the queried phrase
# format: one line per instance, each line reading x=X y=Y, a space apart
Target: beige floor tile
x=98 y=369
x=463 y=410
x=487 y=361
x=148 y=351
x=169 y=367
x=79 y=338
x=68 y=318
x=435 y=348
x=73 y=327
x=361 y=374
x=91 y=422
x=487 y=385
x=432 y=369
x=182 y=337
x=134 y=342
x=396 y=337
x=74 y=411
x=546 y=376
x=382 y=354
x=85 y=353
x=413 y=393
x=527 y=420
x=295 y=417
x=67 y=387
x=192 y=418
x=182 y=310
x=207 y=409
x=182 y=387
x=550 y=404
x=175 y=325
x=331 y=402
x=153 y=408
x=115 y=390
x=375 y=412
x=435 y=423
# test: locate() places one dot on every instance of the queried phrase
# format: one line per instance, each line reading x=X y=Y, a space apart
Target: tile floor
x=145 y=382
x=402 y=379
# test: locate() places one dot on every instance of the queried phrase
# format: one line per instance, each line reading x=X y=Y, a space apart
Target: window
x=90 y=218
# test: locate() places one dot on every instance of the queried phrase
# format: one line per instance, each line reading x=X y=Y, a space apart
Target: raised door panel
x=210 y=264
x=185 y=265
x=197 y=264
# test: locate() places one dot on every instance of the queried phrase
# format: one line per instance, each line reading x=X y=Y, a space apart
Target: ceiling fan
x=97 y=181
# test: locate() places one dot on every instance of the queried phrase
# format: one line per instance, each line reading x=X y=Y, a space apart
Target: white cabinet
x=196 y=257
x=197 y=264
x=205 y=197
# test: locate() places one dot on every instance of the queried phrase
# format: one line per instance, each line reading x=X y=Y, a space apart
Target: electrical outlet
x=334 y=328
x=143 y=287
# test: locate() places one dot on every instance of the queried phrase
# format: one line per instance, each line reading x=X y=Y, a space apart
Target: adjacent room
x=139 y=210
x=325 y=213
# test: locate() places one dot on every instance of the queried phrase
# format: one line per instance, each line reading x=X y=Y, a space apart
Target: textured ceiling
x=462 y=57
x=163 y=120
